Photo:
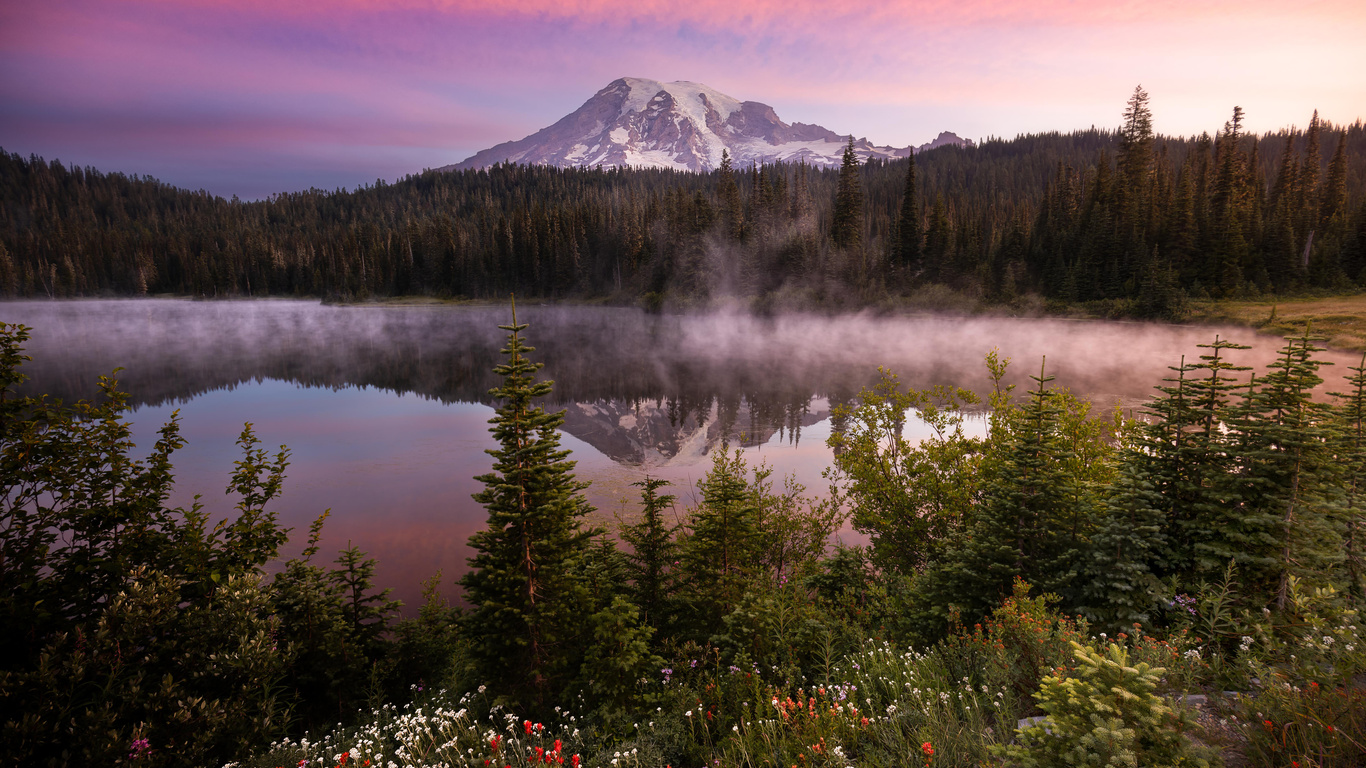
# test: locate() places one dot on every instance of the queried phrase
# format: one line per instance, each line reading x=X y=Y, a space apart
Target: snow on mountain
x=680 y=125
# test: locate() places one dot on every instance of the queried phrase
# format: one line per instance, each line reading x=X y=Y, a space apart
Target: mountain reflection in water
x=393 y=446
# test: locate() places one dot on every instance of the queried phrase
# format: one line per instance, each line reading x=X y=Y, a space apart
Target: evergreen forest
x=1074 y=587
x=1131 y=222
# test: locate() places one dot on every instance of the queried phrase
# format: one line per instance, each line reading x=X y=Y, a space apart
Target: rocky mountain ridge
x=681 y=125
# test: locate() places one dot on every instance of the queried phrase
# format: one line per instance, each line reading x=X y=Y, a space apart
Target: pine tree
x=1350 y=446
x=1034 y=521
x=522 y=584
x=652 y=554
x=847 y=229
x=938 y=243
x=728 y=193
x=1308 y=187
x=1136 y=156
x=1334 y=210
x=909 y=235
x=1229 y=245
x=1121 y=587
x=1205 y=533
x=367 y=612
x=1282 y=443
x=719 y=550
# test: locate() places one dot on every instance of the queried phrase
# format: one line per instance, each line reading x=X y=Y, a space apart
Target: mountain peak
x=638 y=122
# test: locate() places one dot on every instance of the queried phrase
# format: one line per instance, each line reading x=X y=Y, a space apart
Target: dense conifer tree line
x=1126 y=217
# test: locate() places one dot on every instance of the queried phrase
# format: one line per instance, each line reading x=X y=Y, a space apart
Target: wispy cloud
x=396 y=85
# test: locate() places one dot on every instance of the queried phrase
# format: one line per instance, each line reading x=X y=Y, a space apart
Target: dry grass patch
x=1342 y=319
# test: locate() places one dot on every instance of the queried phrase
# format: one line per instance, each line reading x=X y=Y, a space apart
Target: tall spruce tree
x=650 y=563
x=1135 y=158
x=847 y=228
x=1034 y=521
x=1350 y=447
x=1281 y=439
x=523 y=584
x=728 y=194
x=909 y=234
x=719 y=552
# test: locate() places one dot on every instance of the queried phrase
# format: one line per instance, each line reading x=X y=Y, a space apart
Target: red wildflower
x=557 y=746
x=575 y=761
x=927 y=748
x=865 y=722
x=1330 y=728
x=527 y=725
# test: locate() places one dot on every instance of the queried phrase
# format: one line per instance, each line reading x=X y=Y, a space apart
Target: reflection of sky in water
x=397 y=471
x=393 y=428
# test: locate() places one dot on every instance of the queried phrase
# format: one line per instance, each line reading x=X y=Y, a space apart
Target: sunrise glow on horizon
x=251 y=98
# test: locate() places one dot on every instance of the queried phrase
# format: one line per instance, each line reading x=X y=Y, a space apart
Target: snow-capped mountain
x=681 y=125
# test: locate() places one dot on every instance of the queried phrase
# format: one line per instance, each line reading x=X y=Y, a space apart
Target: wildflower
x=527 y=726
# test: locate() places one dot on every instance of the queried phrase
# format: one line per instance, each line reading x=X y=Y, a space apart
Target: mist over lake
x=385 y=409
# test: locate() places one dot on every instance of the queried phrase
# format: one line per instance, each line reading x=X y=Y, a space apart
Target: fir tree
x=522 y=583
x=847 y=228
x=1335 y=188
x=1204 y=532
x=719 y=550
x=909 y=235
x=365 y=611
x=1136 y=156
x=652 y=554
x=938 y=243
x=1121 y=587
x=728 y=193
x=1350 y=447
x=1282 y=441
x=1034 y=521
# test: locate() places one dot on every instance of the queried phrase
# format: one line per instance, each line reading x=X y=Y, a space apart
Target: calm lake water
x=385 y=409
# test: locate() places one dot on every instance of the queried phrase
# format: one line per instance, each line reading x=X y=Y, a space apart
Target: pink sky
x=250 y=97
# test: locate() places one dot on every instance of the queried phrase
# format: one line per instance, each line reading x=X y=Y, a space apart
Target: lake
x=385 y=408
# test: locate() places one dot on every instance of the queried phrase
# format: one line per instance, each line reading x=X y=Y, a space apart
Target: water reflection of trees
x=174 y=351
x=736 y=378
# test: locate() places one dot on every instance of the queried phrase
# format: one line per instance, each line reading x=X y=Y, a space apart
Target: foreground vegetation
x=1072 y=588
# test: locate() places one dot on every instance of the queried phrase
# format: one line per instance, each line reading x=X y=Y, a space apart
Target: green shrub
x=1105 y=714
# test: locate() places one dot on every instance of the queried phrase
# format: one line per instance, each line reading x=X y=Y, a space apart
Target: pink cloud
x=458 y=76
